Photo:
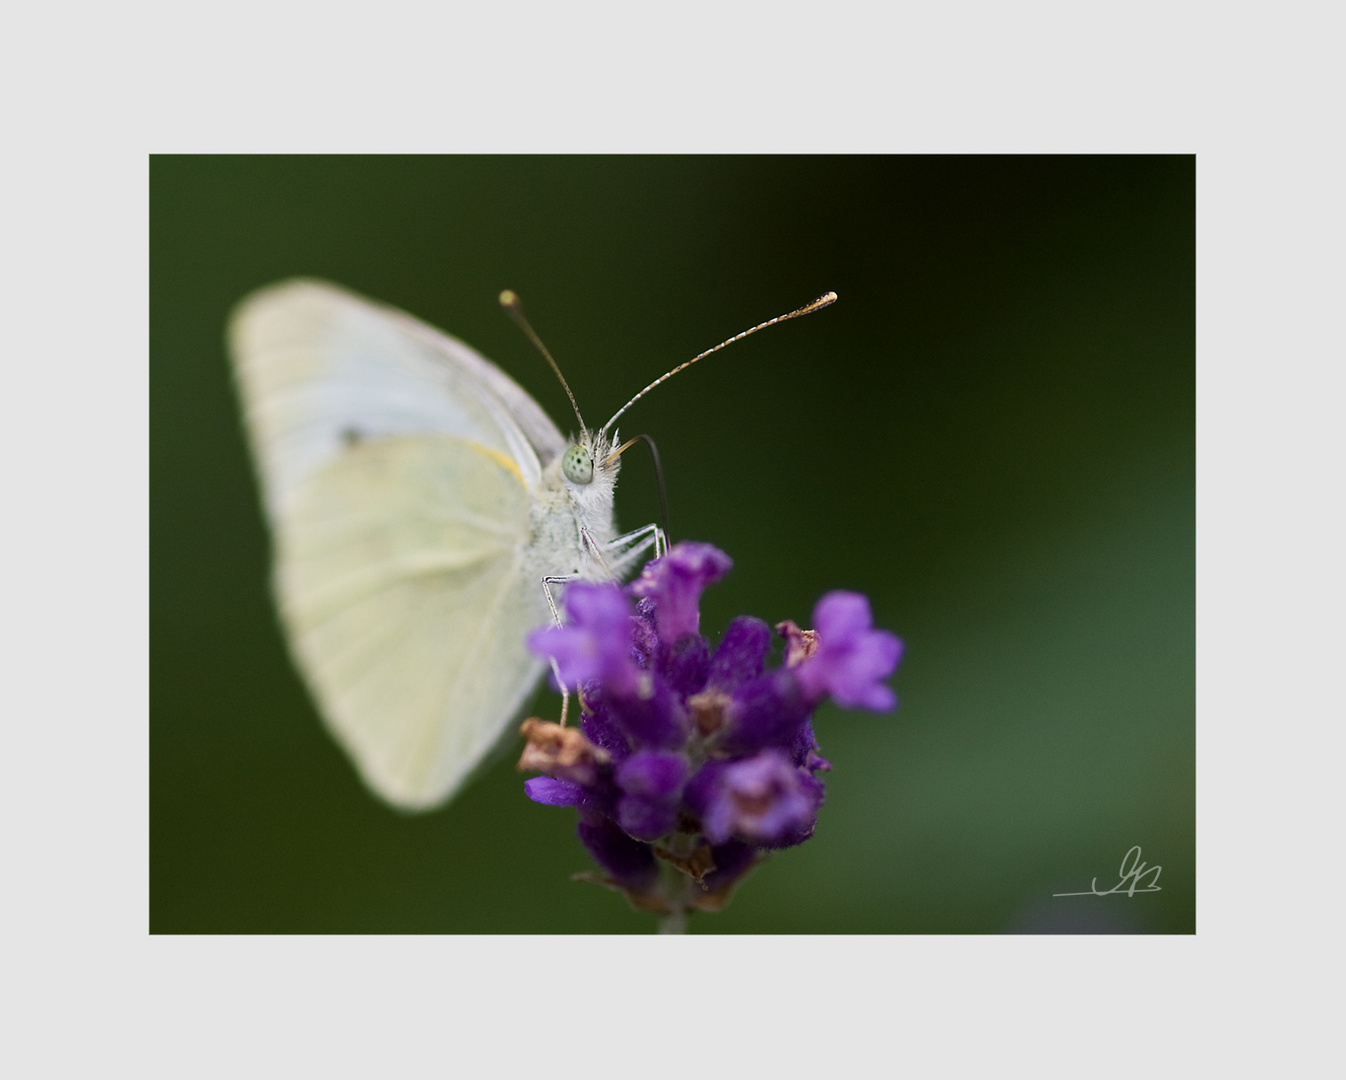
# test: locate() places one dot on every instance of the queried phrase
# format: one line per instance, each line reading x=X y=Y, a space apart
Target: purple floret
x=675 y=582
x=769 y=710
x=601 y=728
x=741 y=653
x=852 y=659
x=685 y=664
x=653 y=774
x=651 y=782
x=763 y=800
x=652 y=716
x=595 y=643
x=630 y=862
x=549 y=792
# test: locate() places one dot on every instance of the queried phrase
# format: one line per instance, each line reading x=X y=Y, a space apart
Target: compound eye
x=577 y=465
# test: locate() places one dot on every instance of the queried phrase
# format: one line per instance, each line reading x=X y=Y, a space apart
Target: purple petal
x=629 y=861
x=650 y=717
x=732 y=859
x=600 y=798
x=653 y=774
x=550 y=792
x=644 y=634
x=703 y=787
x=740 y=654
x=675 y=583
x=602 y=730
x=646 y=820
x=842 y=614
x=763 y=800
x=805 y=750
x=685 y=664
x=766 y=711
x=852 y=659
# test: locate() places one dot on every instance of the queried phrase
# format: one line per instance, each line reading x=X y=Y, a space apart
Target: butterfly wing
x=321 y=368
x=397 y=469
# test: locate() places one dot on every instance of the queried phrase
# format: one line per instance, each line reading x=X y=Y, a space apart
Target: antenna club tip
x=509 y=298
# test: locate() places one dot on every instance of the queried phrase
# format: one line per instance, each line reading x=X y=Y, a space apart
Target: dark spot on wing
x=352 y=436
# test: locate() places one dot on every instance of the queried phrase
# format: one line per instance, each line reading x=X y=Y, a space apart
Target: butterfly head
x=589 y=461
x=587 y=472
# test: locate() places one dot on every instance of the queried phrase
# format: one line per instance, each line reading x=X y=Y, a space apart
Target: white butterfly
x=418 y=500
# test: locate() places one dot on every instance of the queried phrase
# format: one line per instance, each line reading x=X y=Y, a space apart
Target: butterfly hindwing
x=399 y=583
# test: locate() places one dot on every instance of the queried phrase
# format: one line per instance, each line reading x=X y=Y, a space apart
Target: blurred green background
x=992 y=434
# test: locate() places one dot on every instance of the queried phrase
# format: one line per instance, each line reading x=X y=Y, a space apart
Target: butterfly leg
x=625 y=552
x=547 y=583
x=626 y=549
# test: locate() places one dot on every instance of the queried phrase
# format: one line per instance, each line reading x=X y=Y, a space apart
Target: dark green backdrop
x=992 y=434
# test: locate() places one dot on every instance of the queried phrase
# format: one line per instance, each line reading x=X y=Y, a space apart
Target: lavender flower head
x=693 y=760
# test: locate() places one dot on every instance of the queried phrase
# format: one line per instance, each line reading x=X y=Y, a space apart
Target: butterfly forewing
x=321 y=369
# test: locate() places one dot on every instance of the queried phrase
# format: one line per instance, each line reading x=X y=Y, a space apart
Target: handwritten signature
x=1134 y=874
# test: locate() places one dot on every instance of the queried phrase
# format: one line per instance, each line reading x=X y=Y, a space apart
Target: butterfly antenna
x=823 y=301
x=509 y=300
